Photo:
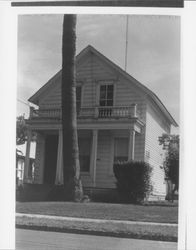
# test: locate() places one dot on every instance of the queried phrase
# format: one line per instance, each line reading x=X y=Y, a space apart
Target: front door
x=51 y=147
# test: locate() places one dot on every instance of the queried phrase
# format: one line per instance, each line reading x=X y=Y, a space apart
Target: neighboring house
x=118 y=118
x=20 y=162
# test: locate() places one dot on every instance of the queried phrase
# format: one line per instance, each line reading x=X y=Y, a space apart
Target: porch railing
x=85 y=112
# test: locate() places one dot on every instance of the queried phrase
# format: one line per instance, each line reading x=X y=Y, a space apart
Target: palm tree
x=71 y=164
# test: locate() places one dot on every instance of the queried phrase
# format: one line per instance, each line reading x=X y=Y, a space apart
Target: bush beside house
x=171 y=145
x=33 y=192
x=133 y=180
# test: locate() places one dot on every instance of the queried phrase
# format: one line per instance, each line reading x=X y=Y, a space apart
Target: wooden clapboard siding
x=85 y=76
x=139 y=147
x=39 y=159
x=87 y=72
x=90 y=73
x=52 y=98
x=127 y=94
x=105 y=155
x=156 y=125
x=94 y=68
x=86 y=180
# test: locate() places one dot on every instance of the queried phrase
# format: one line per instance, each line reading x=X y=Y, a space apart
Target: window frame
x=89 y=155
x=115 y=140
x=106 y=99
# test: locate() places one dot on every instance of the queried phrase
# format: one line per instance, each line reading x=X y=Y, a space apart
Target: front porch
x=99 y=148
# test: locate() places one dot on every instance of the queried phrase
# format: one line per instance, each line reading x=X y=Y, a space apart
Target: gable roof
x=89 y=49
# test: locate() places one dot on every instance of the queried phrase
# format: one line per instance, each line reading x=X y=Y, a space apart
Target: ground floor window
x=121 y=149
x=84 y=153
x=78 y=98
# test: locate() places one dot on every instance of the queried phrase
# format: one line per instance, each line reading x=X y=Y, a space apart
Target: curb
x=98 y=233
x=93 y=231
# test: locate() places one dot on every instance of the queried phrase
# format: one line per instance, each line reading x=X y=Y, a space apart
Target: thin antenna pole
x=126 y=44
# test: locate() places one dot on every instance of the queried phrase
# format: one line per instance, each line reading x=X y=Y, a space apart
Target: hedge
x=133 y=180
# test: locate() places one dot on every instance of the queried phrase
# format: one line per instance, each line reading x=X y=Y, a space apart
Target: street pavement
x=41 y=240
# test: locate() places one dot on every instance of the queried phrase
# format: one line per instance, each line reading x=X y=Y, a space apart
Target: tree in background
x=170 y=143
x=21 y=130
x=71 y=164
x=21 y=137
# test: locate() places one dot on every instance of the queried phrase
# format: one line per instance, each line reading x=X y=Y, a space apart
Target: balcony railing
x=94 y=112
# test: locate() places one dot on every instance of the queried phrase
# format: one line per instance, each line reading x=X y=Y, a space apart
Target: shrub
x=133 y=180
x=33 y=192
x=171 y=144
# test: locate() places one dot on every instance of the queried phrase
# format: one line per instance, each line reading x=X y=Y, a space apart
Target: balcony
x=113 y=112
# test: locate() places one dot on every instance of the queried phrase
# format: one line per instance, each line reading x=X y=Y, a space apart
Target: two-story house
x=118 y=118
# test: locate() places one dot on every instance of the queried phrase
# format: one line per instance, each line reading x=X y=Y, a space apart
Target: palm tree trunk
x=71 y=165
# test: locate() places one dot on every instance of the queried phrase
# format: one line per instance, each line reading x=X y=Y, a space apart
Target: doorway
x=51 y=148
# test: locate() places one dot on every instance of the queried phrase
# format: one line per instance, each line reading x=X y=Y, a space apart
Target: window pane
x=109 y=103
x=110 y=87
x=84 y=163
x=110 y=95
x=106 y=95
x=84 y=153
x=103 y=88
x=102 y=95
x=84 y=146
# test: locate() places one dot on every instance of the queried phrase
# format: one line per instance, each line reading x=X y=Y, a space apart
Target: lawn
x=162 y=214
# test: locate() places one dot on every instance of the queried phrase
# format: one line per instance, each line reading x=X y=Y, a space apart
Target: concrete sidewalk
x=65 y=218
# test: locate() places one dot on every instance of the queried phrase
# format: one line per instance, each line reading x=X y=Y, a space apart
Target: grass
x=162 y=214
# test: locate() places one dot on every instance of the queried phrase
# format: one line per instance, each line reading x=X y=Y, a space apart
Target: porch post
x=131 y=145
x=59 y=167
x=94 y=155
x=27 y=157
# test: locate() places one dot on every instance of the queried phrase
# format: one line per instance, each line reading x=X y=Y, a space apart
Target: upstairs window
x=106 y=95
x=78 y=98
x=120 y=149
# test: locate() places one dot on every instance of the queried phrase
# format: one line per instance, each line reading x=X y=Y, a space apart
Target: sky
x=153 y=54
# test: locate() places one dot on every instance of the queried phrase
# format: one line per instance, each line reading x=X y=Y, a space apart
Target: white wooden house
x=118 y=118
